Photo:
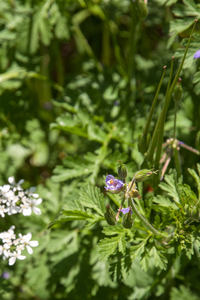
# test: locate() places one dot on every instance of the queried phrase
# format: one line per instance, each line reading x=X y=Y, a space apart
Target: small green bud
x=178 y=91
x=122 y=170
x=144 y=175
x=142 y=9
x=127 y=220
x=110 y=215
x=194 y=213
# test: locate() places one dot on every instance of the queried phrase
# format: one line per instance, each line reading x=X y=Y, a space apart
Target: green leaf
x=73 y=167
x=170 y=186
x=187 y=10
x=179 y=25
x=159 y=259
x=137 y=250
x=93 y=198
x=163 y=201
x=187 y=196
x=66 y=123
x=120 y=269
x=108 y=246
x=76 y=215
x=196 y=178
x=182 y=293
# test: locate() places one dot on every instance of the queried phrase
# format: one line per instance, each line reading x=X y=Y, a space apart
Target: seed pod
x=127 y=220
x=110 y=215
x=178 y=91
x=122 y=170
x=142 y=9
x=144 y=175
x=143 y=142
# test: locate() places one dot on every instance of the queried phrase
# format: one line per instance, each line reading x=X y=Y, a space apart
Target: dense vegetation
x=84 y=85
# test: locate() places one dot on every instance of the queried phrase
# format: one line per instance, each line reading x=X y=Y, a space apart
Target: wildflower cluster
x=14 y=199
x=128 y=193
x=13 y=246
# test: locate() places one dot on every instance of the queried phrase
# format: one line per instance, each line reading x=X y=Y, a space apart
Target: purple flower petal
x=113 y=185
x=126 y=210
x=108 y=178
x=197 y=54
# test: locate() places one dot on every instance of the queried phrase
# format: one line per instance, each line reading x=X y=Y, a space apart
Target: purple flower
x=197 y=54
x=5 y=275
x=126 y=210
x=113 y=185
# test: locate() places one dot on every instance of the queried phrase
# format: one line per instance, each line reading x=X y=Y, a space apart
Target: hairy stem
x=145 y=222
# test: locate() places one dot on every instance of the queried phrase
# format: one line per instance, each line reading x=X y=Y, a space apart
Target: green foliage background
x=77 y=82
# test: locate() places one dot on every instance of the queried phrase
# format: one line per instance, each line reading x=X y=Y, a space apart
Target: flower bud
x=144 y=175
x=110 y=215
x=133 y=192
x=142 y=9
x=194 y=213
x=178 y=91
x=122 y=170
x=127 y=220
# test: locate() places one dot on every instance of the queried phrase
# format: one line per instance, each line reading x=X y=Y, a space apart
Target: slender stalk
x=154 y=139
x=121 y=205
x=170 y=75
x=133 y=40
x=177 y=162
x=157 y=138
x=166 y=164
x=147 y=125
x=167 y=102
x=189 y=148
x=163 y=158
x=175 y=119
x=145 y=222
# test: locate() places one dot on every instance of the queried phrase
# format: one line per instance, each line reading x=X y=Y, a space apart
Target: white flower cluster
x=12 y=246
x=14 y=199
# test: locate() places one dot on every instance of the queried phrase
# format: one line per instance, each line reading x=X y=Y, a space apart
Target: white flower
x=14 y=256
x=11 y=180
x=30 y=205
x=4 y=189
x=4 y=249
x=17 y=186
x=30 y=192
x=25 y=207
x=13 y=209
x=33 y=203
x=26 y=240
x=20 y=248
x=3 y=210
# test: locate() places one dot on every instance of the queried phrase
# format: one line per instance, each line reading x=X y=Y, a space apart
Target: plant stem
x=175 y=119
x=157 y=138
x=177 y=162
x=147 y=125
x=145 y=222
x=121 y=205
